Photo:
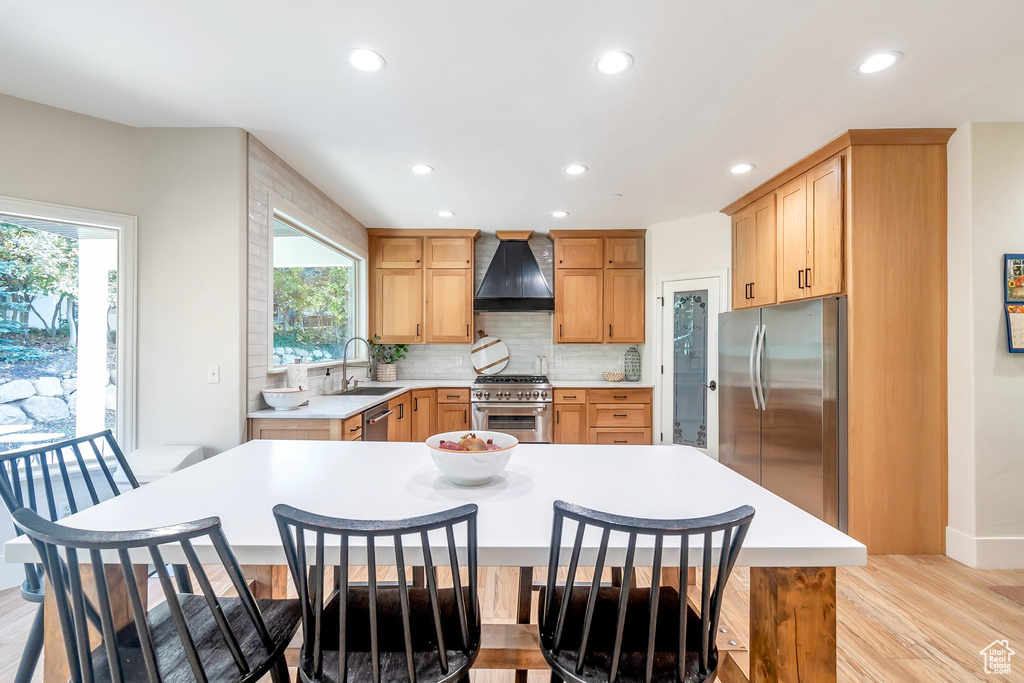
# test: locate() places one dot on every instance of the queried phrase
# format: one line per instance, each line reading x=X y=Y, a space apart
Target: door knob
x=711 y=385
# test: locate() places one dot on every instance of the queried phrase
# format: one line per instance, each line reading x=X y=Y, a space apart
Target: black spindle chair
x=378 y=631
x=627 y=634
x=19 y=472
x=187 y=637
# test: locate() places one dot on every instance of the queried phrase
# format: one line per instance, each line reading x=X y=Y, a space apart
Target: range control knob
x=536 y=394
x=479 y=393
x=519 y=394
x=543 y=394
x=487 y=394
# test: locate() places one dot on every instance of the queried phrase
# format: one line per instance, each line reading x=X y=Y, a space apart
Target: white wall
x=986 y=383
x=678 y=248
x=187 y=188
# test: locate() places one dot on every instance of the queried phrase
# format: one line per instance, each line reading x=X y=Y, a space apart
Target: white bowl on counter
x=472 y=468
x=285 y=399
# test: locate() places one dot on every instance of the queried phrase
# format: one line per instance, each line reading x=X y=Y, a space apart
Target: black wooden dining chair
x=234 y=640
x=56 y=468
x=629 y=634
x=377 y=632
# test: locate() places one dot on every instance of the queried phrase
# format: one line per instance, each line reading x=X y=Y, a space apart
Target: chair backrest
x=294 y=524
x=62 y=550
x=20 y=469
x=732 y=524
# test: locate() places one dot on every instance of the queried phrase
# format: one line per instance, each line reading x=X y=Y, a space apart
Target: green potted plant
x=384 y=356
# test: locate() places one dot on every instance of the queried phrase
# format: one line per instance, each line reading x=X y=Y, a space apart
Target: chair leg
x=279 y=674
x=182 y=578
x=33 y=648
x=555 y=678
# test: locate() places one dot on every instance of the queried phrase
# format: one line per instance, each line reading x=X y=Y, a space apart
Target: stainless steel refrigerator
x=782 y=406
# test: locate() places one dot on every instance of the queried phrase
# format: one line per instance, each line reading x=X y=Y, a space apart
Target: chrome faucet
x=344 y=364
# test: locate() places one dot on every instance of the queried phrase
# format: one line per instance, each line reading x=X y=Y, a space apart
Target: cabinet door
x=825 y=228
x=624 y=252
x=398 y=305
x=400 y=420
x=792 y=240
x=624 y=306
x=449 y=305
x=744 y=256
x=352 y=428
x=620 y=437
x=763 y=289
x=398 y=252
x=579 y=306
x=424 y=418
x=579 y=252
x=570 y=423
x=449 y=252
x=295 y=429
x=452 y=417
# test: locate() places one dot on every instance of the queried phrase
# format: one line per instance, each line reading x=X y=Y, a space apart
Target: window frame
x=302 y=222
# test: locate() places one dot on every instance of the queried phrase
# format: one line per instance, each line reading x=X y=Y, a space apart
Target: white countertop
x=342 y=407
x=375 y=480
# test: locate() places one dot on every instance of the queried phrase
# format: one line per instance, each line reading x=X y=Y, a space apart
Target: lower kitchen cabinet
x=400 y=419
x=297 y=429
x=620 y=416
x=621 y=437
x=424 y=414
x=352 y=428
x=570 y=423
x=452 y=417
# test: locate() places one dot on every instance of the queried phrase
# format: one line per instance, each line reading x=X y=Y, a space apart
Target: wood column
x=55 y=661
x=792 y=624
x=267 y=581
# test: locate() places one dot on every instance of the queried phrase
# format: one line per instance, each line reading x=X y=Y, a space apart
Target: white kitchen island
x=792 y=554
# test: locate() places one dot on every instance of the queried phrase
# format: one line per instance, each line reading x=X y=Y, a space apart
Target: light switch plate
x=558 y=361
x=458 y=360
x=213 y=374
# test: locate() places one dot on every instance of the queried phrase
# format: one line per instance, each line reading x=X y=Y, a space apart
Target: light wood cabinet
x=452 y=417
x=399 y=252
x=424 y=415
x=398 y=306
x=452 y=395
x=753 y=247
x=620 y=416
x=400 y=420
x=579 y=306
x=623 y=318
x=570 y=423
x=620 y=437
x=449 y=252
x=352 y=428
x=421 y=286
x=579 y=252
x=624 y=252
x=295 y=429
x=810 y=233
x=449 y=310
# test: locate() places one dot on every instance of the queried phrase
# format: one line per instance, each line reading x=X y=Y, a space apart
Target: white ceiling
x=499 y=96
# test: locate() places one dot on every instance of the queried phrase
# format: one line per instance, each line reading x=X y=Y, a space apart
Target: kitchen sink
x=366 y=391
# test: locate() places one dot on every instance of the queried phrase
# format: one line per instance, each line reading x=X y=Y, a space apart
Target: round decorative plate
x=489 y=355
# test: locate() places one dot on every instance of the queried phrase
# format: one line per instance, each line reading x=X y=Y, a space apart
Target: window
x=315 y=297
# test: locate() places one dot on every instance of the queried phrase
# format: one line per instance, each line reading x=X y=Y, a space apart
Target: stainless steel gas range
x=519 y=405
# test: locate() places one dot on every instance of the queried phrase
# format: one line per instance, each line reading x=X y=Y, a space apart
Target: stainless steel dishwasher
x=375 y=423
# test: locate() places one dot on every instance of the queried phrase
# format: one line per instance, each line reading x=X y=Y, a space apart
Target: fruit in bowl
x=471 y=458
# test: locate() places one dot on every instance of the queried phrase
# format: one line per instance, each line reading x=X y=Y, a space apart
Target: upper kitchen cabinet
x=449 y=252
x=421 y=285
x=753 y=248
x=398 y=252
x=579 y=252
x=599 y=286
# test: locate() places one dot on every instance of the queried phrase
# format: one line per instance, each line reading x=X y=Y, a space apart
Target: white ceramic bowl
x=472 y=468
x=285 y=399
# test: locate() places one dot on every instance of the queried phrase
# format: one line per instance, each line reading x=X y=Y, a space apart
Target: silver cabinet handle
x=760 y=352
x=377 y=418
x=753 y=345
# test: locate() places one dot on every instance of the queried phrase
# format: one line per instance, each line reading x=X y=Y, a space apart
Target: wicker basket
x=615 y=376
x=387 y=372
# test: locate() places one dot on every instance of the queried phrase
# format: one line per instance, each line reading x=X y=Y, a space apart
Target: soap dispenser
x=327 y=384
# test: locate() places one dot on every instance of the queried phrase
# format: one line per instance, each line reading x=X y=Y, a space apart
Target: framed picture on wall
x=1013 y=277
x=1015 y=327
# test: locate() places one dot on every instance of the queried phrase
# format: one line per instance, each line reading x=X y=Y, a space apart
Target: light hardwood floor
x=901 y=618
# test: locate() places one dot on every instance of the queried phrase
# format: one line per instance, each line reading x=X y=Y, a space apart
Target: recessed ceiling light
x=365 y=60
x=614 y=62
x=422 y=169
x=559 y=214
x=445 y=214
x=742 y=168
x=575 y=169
x=879 y=62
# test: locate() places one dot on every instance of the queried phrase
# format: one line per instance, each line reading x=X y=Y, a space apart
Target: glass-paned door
x=690 y=352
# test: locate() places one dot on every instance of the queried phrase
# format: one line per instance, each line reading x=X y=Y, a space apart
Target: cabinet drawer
x=620 y=395
x=352 y=430
x=626 y=415
x=620 y=437
x=453 y=395
x=570 y=395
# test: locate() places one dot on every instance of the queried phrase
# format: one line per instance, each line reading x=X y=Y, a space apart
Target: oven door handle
x=513 y=409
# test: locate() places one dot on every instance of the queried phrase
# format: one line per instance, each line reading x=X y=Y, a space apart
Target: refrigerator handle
x=760 y=352
x=753 y=345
